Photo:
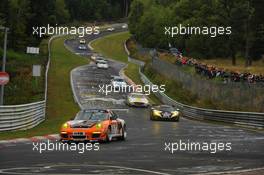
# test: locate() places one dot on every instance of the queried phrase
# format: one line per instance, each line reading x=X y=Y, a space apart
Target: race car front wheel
x=108 y=135
x=151 y=117
x=124 y=133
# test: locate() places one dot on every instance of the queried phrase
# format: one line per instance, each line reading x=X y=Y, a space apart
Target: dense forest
x=21 y=15
x=148 y=18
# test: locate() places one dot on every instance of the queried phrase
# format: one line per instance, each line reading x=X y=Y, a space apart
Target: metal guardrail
x=245 y=119
x=22 y=116
x=26 y=116
x=131 y=60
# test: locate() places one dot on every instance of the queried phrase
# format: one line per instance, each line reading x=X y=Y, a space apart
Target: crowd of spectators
x=211 y=72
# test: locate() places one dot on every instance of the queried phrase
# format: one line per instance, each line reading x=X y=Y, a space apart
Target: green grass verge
x=135 y=52
x=175 y=90
x=112 y=46
x=19 y=66
x=60 y=105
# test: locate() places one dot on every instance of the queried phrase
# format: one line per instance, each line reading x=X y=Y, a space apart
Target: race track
x=144 y=151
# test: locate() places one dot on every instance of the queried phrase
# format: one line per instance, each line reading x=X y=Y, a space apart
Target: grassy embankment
x=225 y=63
x=177 y=92
x=174 y=89
x=61 y=105
x=112 y=46
x=256 y=68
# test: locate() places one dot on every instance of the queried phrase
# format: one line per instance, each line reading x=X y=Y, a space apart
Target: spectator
x=212 y=72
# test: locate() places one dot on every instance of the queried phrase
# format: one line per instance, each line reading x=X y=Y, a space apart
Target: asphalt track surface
x=144 y=150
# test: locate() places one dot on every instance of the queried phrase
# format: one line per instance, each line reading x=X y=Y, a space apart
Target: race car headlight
x=98 y=125
x=65 y=125
x=156 y=112
x=175 y=113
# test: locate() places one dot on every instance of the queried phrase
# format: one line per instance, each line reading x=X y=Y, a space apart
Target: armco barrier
x=245 y=119
x=22 y=116
x=140 y=63
x=25 y=116
x=238 y=95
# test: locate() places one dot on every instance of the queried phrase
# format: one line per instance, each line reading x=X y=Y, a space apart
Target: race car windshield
x=166 y=108
x=119 y=80
x=137 y=96
x=91 y=115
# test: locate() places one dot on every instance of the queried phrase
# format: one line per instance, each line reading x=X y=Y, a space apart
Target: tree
x=61 y=13
x=3 y=12
x=137 y=11
x=257 y=24
x=244 y=18
x=249 y=34
x=18 y=16
x=43 y=13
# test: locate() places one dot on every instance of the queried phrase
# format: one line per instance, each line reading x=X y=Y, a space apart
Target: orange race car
x=94 y=125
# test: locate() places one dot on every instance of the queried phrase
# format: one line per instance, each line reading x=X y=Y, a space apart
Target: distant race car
x=124 y=26
x=164 y=112
x=118 y=82
x=82 y=47
x=82 y=41
x=110 y=29
x=137 y=100
x=96 y=55
x=102 y=65
x=94 y=125
x=99 y=59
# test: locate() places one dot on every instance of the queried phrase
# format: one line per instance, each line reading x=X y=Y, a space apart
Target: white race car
x=100 y=59
x=124 y=26
x=110 y=29
x=137 y=100
x=118 y=82
x=102 y=65
x=82 y=41
x=82 y=47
